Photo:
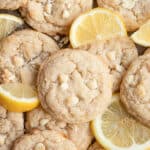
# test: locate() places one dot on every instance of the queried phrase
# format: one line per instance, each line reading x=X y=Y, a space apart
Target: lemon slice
x=115 y=129
x=97 y=24
x=142 y=36
x=8 y=23
x=17 y=97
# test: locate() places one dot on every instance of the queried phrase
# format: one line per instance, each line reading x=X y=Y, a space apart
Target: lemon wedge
x=17 y=97
x=142 y=36
x=97 y=24
x=115 y=129
x=8 y=23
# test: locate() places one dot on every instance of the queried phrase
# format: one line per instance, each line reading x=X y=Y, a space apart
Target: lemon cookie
x=11 y=4
x=11 y=127
x=74 y=86
x=40 y=119
x=135 y=91
x=134 y=12
x=43 y=140
x=21 y=55
x=118 y=52
x=53 y=16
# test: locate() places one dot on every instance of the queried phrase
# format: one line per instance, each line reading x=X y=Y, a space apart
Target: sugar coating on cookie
x=74 y=86
x=21 y=55
x=43 y=140
x=11 y=127
x=135 y=91
x=134 y=12
x=53 y=16
x=40 y=119
x=118 y=53
x=95 y=146
x=11 y=4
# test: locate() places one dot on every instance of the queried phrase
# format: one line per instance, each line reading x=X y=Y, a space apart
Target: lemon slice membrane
x=117 y=130
x=18 y=97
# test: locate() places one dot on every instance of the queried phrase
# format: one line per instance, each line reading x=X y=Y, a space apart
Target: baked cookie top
x=43 y=140
x=74 y=86
x=95 y=146
x=53 y=16
x=21 y=55
x=40 y=119
x=118 y=53
x=11 y=4
x=135 y=91
x=11 y=127
x=134 y=12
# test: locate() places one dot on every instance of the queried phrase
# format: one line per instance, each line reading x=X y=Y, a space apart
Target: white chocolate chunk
x=39 y=146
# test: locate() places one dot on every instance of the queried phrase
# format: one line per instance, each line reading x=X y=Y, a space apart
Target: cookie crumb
x=43 y=122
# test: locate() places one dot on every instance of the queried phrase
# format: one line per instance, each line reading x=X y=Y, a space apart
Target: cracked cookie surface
x=134 y=12
x=135 y=91
x=11 y=127
x=40 y=119
x=73 y=85
x=43 y=140
x=11 y=4
x=53 y=16
x=21 y=55
x=118 y=53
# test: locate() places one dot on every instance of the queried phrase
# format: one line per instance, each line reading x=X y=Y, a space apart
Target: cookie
x=134 y=12
x=53 y=16
x=74 y=86
x=21 y=55
x=118 y=52
x=43 y=140
x=147 y=51
x=11 y=4
x=40 y=119
x=11 y=127
x=135 y=89
x=95 y=146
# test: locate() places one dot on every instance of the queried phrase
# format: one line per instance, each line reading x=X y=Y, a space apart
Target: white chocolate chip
x=141 y=90
x=48 y=8
x=130 y=79
x=18 y=61
x=72 y=101
x=111 y=55
x=63 y=78
x=43 y=122
x=2 y=139
x=64 y=86
x=66 y=14
x=119 y=68
x=92 y=84
x=129 y=4
x=39 y=146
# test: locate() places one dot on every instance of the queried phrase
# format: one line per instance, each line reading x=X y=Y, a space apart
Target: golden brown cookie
x=53 y=16
x=21 y=55
x=11 y=127
x=134 y=12
x=118 y=52
x=79 y=134
x=74 y=86
x=11 y=4
x=135 y=91
x=43 y=140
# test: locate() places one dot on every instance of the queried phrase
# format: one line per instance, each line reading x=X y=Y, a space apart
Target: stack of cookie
x=74 y=86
